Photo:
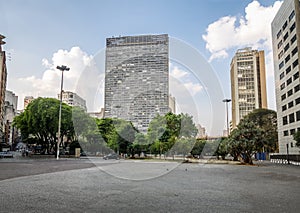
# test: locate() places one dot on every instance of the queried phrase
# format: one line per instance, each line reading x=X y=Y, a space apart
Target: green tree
x=296 y=137
x=39 y=122
x=266 y=121
x=246 y=140
x=222 y=149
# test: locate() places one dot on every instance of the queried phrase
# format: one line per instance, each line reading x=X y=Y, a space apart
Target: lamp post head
x=227 y=100
x=63 y=68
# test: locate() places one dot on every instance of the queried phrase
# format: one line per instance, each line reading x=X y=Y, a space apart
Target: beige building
x=248 y=83
x=172 y=104
x=3 y=78
x=27 y=100
x=286 y=42
x=72 y=99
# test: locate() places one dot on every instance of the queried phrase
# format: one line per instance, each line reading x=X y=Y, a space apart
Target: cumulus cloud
x=82 y=67
x=253 y=29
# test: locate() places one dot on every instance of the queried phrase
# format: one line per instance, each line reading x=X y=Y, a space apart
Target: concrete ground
x=96 y=185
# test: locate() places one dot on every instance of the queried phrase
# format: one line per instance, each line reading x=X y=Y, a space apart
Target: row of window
x=291 y=118
x=292 y=131
x=291 y=16
x=290 y=104
x=289 y=81
x=286 y=47
x=295 y=63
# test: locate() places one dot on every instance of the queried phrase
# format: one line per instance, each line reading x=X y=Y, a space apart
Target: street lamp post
x=62 y=68
x=227 y=101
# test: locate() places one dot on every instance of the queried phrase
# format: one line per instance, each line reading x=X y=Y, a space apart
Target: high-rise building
x=286 y=42
x=172 y=104
x=72 y=99
x=137 y=78
x=3 y=78
x=27 y=100
x=248 y=83
x=201 y=131
x=11 y=103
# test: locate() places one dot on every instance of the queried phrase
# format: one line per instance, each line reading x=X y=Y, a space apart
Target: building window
x=294 y=51
x=291 y=16
x=285 y=133
x=285 y=36
x=291 y=104
x=295 y=63
x=287 y=58
x=286 y=47
x=292 y=144
x=279 y=34
x=281 y=64
x=290 y=92
x=283 y=108
x=282 y=86
x=293 y=39
x=298 y=115
x=281 y=75
x=288 y=70
x=284 y=120
x=284 y=25
x=289 y=81
x=293 y=27
x=292 y=131
x=296 y=75
x=297 y=101
x=291 y=118
x=283 y=97
x=279 y=44
x=297 y=88
x=280 y=54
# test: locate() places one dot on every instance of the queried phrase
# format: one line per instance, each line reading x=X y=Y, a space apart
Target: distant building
x=72 y=99
x=3 y=79
x=137 y=78
x=11 y=103
x=99 y=115
x=286 y=55
x=201 y=131
x=248 y=83
x=225 y=133
x=27 y=100
x=172 y=104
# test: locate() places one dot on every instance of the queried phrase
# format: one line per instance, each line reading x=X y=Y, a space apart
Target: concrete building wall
x=3 y=79
x=137 y=78
x=72 y=99
x=286 y=43
x=248 y=83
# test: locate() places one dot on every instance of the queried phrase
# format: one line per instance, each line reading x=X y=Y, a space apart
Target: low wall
x=285 y=159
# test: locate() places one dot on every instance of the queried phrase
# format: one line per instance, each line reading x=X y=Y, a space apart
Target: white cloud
x=82 y=67
x=254 y=29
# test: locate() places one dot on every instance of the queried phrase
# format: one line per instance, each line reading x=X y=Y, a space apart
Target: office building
x=72 y=99
x=248 y=83
x=3 y=78
x=286 y=42
x=137 y=78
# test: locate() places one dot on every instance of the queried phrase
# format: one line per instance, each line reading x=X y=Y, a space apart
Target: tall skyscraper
x=248 y=83
x=286 y=42
x=3 y=77
x=137 y=78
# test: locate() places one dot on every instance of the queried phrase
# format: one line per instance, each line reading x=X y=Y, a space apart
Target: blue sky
x=42 y=33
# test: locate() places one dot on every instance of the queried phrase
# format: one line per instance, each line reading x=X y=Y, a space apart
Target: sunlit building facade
x=286 y=43
x=248 y=83
x=3 y=79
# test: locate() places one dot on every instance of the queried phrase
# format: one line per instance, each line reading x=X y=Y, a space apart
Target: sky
x=43 y=34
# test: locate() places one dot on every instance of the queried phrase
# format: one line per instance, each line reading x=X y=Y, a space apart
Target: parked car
x=6 y=154
x=111 y=156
